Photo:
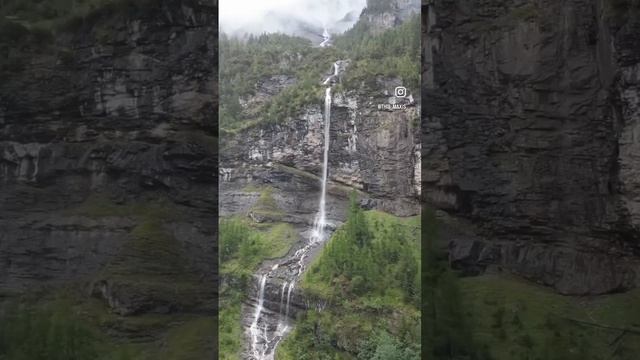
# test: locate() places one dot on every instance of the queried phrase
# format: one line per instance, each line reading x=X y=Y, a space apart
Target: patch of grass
x=279 y=239
x=193 y=339
x=517 y=319
x=98 y=205
x=244 y=245
x=266 y=208
x=45 y=331
x=230 y=328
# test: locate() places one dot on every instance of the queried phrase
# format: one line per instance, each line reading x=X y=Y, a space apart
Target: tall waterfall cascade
x=264 y=336
x=321 y=219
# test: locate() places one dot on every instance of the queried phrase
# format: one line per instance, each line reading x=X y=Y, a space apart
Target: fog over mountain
x=305 y=18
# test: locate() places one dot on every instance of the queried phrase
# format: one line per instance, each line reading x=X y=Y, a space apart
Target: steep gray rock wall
x=373 y=151
x=108 y=149
x=530 y=134
x=382 y=15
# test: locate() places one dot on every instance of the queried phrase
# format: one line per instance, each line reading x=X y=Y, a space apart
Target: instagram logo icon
x=401 y=91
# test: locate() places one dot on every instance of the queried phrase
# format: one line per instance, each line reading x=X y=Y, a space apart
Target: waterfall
x=286 y=313
x=265 y=338
x=253 y=329
x=326 y=38
x=284 y=285
x=321 y=218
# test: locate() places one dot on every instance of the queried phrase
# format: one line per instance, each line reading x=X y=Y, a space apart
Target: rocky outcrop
x=530 y=136
x=108 y=160
x=381 y=15
x=373 y=150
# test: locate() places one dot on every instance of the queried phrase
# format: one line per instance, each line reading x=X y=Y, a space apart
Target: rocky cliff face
x=383 y=15
x=530 y=135
x=373 y=151
x=108 y=160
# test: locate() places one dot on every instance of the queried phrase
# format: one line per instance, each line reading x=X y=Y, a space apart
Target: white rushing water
x=326 y=38
x=262 y=345
x=253 y=329
x=321 y=219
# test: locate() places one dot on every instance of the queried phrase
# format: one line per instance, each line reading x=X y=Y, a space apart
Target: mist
x=306 y=18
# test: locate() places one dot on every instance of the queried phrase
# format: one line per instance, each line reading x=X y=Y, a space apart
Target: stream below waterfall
x=270 y=320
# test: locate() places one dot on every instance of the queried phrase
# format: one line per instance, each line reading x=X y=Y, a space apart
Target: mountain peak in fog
x=306 y=18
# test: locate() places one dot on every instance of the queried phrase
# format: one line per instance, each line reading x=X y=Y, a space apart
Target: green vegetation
x=519 y=320
x=67 y=329
x=53 y=332
x=447 y=331
x=243 y=64
x=193 y=339
x=393 y=53
x=266 y=207
x=506 y=318
x=243 y=246
x=230 y=332
x=246 y=64
x=369 y=277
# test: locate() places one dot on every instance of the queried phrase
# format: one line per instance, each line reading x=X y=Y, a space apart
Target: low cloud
x=296 y=17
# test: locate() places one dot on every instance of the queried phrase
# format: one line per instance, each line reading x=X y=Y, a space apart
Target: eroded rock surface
x=372 y=151
x=530 y=134
x=108 y=161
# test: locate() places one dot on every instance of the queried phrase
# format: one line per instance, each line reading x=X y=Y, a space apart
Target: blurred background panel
x=530 y=171
x=108 y=179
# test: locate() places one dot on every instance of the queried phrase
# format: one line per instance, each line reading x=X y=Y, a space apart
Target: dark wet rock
x=530 y=111
x=112 y=150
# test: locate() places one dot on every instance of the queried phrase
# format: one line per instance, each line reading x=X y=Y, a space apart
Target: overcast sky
x=259 y=16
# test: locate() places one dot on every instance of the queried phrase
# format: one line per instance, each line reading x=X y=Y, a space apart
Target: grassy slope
x=271 y=240
x=521 y=320
x=348 y=322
